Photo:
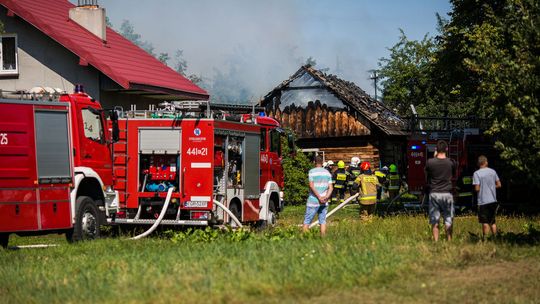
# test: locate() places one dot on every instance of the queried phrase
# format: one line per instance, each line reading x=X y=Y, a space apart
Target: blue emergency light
x=262 y=114
x=414 y=147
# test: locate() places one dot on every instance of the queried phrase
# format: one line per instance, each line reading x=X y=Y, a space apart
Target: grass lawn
x=388 y=259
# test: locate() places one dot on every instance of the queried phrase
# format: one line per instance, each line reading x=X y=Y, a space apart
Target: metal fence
x=434 y=124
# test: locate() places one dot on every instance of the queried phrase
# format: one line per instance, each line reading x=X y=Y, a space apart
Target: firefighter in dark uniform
x=465 y=189
x=340 y=179
x=394 y=181
x=382 y=177
x=354 y=171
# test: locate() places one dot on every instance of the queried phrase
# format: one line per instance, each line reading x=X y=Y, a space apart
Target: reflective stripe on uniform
x=338 y=186
x=368 y=197
x=463 y=194
x=467 y=180
x=394 y=182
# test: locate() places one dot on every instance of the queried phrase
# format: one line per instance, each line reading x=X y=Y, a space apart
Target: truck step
x=163 y=222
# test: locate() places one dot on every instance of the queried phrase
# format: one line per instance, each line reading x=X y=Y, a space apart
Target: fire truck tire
x=86 y=225
x=272 y=216
x=4 y=239
x=235 y=209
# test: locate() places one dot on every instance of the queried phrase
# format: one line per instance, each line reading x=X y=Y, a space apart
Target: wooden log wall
x=318 y=121
x=367 y=153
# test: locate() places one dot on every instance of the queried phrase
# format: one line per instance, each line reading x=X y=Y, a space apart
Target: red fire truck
x=69 y=166
x=466 y=142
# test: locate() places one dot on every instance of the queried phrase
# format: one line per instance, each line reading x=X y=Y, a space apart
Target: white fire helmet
x=325 y=164
x=355 y=161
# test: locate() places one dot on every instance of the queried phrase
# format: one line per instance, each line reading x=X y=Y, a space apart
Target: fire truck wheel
x=272 y=217
x=86 y=221
x=235 y=209
x=4 y=239
x=271 y=221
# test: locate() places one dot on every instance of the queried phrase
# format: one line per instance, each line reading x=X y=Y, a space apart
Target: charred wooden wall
x=319 y=121
x=340 y=133
x=366 y=153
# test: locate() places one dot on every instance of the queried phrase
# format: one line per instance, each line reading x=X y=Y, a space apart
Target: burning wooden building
x=337 y=117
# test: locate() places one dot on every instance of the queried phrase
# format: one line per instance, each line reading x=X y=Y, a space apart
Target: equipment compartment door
x=54 y=168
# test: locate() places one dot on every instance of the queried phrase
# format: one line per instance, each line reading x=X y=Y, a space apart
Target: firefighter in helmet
x=340 y=179
x=354 y=172
x=367 y=184
x=382 y=177
x=330 y=166
x=394 y=181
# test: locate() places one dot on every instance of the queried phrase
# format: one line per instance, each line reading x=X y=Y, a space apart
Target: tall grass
x=271 y=266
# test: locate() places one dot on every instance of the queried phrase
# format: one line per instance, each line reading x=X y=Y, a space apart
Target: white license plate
x=195 y=204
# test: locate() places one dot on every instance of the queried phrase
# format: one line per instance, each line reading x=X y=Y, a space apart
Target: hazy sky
x=266 y=41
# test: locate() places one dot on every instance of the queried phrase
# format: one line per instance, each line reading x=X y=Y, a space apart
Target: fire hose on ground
x=336 y=209
x=164 y=210
x=159 y=219
x=233 y=217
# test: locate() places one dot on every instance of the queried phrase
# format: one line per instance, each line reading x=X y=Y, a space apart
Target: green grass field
x=388 y=259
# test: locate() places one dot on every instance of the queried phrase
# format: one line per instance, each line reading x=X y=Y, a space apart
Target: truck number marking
x=197 y=151
x=3 y=139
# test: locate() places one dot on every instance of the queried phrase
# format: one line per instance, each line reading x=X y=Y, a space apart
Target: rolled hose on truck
x=336 y=209
x=164 y=210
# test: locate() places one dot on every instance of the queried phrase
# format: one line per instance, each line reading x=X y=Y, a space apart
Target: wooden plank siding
x=367 y=153
x=318 y=121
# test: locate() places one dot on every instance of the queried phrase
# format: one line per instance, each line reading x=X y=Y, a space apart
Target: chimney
x=89 y=15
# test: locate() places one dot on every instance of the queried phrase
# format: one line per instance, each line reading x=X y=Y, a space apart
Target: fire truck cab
x=55 y=167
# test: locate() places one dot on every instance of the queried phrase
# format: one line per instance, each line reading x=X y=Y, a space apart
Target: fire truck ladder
x=120 y=161
x=453 y=146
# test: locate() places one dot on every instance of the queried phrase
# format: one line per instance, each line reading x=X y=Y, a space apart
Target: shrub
x=295 y=169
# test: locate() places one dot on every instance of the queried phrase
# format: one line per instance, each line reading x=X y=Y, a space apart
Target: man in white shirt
x=486 y=181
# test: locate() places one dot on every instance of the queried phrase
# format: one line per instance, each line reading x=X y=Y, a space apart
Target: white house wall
x=43 y=62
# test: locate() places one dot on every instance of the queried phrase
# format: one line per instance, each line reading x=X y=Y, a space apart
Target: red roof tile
x=121 y=60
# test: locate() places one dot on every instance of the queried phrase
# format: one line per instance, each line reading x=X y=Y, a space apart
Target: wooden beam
x=303 y=88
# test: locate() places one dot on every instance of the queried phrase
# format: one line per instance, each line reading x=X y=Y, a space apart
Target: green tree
x=406 y=75
x=497 y=46
x=164 y=57
x=295 y=169
x=486 y=63
x=180 y=63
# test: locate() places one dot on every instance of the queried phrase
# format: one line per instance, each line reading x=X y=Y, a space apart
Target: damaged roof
x=350 y=94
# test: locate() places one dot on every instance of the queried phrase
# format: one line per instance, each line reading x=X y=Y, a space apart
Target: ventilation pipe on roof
x=90 y=16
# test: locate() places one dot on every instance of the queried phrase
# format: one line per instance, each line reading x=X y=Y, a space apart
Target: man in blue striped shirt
x=320 y=190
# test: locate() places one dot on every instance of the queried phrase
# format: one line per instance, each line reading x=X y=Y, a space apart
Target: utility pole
x=375 y=77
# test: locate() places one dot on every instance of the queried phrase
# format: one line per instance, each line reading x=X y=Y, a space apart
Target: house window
x=8 y=55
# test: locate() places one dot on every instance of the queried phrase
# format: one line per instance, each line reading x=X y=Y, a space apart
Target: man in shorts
x=486 y=181
x=320 y=190
x=439 y=171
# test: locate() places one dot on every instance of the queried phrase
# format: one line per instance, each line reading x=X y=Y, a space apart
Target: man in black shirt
x=439 y=171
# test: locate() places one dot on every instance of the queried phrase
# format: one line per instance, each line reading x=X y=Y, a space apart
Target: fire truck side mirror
x=113 y=115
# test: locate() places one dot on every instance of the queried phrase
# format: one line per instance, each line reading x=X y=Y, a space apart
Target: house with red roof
x=53 y=45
